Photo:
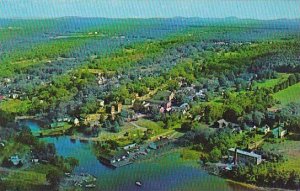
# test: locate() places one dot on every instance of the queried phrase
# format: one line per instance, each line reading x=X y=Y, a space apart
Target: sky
x=254 y=9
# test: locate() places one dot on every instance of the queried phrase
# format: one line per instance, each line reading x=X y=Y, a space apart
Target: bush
x=54 y=177
x=215 y=155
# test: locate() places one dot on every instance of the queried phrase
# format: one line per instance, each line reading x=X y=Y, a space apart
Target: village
x=131 y=125
x=212 y=97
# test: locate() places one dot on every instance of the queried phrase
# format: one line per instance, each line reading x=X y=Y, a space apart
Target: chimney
x=235 y=156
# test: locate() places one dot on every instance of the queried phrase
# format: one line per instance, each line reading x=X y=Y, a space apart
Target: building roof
x=15 y=159
x=251 y=154
x=222 y=121
x=152 y=145
x=263 y=128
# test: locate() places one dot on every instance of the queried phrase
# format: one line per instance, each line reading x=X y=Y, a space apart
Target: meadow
x=288 y=95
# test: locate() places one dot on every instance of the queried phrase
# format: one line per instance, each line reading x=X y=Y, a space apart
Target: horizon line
x=183 y=17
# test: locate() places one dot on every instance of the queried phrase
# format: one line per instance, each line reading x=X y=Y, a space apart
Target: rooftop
x=245 y=153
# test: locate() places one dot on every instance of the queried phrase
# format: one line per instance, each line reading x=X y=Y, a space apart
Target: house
x=253 y=128
x=35 y=160
x=76 y=122
x=279 y=131
x=181 y=109
x=15 y=96
x=201 y=94
x=165 y=107
x=222 y=123
x=164 y=96
x=129 y=115
x=113 y=158
x=15 y=160
x=244 y=157
x=2 y=144
x=101 y=102
x=91 y=118
x=130 y=146
x=115 y=108
x=161 y=109
x=185 y=106
x=129 y=101
x=146 y=106
x=152 y=146
x=168 y=106
x=161 y=142
x=198 y=118
x=264 y=130
x=271 y=113
x=66 y=119
x=171 y=96
x=237 y=129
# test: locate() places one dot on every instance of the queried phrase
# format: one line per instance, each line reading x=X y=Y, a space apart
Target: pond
x=168 y=172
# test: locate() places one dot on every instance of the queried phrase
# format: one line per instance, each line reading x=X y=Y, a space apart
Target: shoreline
x=178 y=150
x=252 y=186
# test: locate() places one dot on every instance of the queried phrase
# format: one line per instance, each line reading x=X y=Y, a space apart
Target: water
x=165 y=173
x=33 y=125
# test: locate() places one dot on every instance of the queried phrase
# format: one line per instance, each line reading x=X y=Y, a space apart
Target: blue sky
x=257 y=9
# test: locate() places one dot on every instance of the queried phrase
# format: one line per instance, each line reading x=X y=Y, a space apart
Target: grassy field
x=290 y=149
x=156 y=127
x=15 y=106
x=189 y=154
x=272 y=82
x=25 y=179
x=133 y=133
x=13 y=148
x=288 y=95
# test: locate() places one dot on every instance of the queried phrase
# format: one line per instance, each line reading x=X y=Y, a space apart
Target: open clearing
x=288 y=95
x=290 y=149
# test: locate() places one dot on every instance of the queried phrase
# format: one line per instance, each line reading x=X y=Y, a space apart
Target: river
x=168 y=172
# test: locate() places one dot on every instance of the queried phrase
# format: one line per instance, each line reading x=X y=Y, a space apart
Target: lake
x=164 y=173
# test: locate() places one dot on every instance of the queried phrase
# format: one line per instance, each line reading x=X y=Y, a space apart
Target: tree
x=186 y=126
x=107 y=124
x=232 y=112
x=215 y=155
x=223 y=80
x=54 y=177
x=257 y=117
x=116 y=127
x=73 y=162
x=26 y=137
x=5 y=117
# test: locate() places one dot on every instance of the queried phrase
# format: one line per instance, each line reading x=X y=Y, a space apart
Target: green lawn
x=15 y=106
x=288 y=95
x=290 y=149
x=189 y=154
x=157 y=127
x=272 y=82
x=25 y=179
x=13 y=148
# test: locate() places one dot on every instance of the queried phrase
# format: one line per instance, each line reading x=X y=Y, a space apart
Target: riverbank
x=156 y=172
x=251 y=186
x=190 y=155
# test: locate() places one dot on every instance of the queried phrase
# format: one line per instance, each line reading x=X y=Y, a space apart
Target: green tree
x=54 y=177
x=186 y=126
x=215 y=155
x=116 y=127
